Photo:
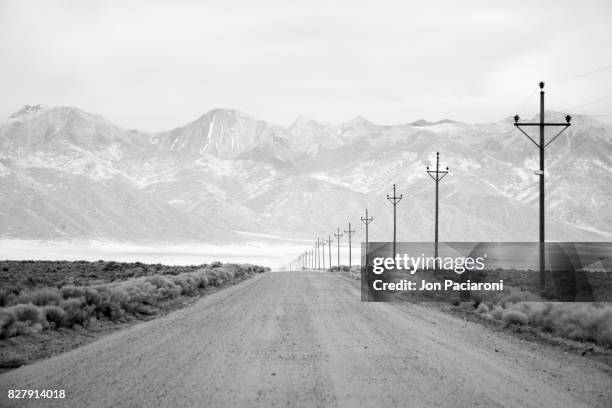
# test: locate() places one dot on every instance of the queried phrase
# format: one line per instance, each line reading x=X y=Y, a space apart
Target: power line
x=581 y=75
x=520 y=111
x=588 y=103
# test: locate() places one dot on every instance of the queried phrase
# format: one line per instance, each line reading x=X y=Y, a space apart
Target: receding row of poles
x=308 y=258
x=314 y=258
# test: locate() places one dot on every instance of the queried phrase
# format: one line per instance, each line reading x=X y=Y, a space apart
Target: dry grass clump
x=50 y=308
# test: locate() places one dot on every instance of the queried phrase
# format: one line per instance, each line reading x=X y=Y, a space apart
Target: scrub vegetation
x=47 y=299
x=577 y=321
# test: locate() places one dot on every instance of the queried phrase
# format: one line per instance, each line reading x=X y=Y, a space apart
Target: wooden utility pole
x=366 y=221
x=350 y=234
x=338 y=235
x=394 y=200
x=437 y=175
x=323 y=253
x=542 y=147
x=329 y=241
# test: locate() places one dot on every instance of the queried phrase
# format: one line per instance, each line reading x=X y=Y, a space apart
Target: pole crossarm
x=394 y=199
x=565 y=125
x=437 y=174
x=367 y=220
x=349 y=232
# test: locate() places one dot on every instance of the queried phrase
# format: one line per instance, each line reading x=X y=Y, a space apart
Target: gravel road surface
x=305 y=339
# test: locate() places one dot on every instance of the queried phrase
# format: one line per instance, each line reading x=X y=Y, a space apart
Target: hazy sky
x=156 y=65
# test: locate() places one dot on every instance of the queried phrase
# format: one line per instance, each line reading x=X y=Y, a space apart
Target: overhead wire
x=585 y=74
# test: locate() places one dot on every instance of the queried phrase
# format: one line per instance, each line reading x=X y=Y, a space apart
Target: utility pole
x=437 y=175
x=394 y=200
x=310 y=259
x=542 y=147
x=317 y=261
x=366 y=221
x=323 y=253
x=329 y=241
x=350 y=234
x=338 y=235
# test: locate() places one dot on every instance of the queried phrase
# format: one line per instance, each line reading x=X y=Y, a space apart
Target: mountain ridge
x=68 y=174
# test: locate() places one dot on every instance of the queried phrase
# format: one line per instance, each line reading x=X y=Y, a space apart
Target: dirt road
x=305 y=339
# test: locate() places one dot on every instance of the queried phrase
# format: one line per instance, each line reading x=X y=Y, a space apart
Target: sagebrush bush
x=7 y=319
x=40 y=297
x=515 y=317
x=7 y=297
x=76 y=312
x=28 y=313
x=71 y=291
x=55 y=315
x=482 y=308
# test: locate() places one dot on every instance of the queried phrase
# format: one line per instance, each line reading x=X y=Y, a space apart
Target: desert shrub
x=166 y=289
x=515 y=317
x=213 y=278
x=71 y=291
x=12 y=362
x=106 y=301
x=477 y=298
x=503 y=299
x=144 y=310
x=28 y=313
x=111 y=311
x=7 y=297
x=497 y=312
x=141 y=292
x=55 y=315
x=216 y=264
x=40 y=297
x=204 y=281
x=20 y=328
x=223 y=275
x=7 y=319
x=92 y=296
x=482 y=308
x=187 y=284
x=76 y=312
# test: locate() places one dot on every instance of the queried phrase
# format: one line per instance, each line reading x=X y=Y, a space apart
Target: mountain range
x=226 y=177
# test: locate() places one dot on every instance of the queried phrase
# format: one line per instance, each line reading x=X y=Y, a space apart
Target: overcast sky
x=157 y=65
